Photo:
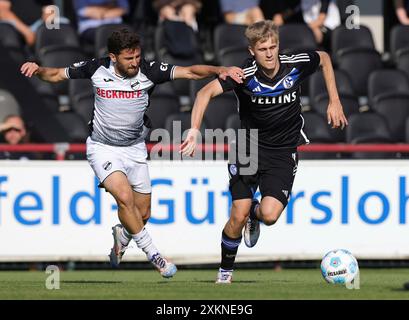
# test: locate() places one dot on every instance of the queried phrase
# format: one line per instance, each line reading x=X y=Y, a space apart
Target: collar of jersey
x=265 y=77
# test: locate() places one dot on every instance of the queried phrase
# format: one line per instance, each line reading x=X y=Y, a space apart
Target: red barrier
x=60 y=149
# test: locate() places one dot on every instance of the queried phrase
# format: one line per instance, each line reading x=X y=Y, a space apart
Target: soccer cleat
x=166 y=268
x=252 y=227
x=224 y=276
x=118 y=249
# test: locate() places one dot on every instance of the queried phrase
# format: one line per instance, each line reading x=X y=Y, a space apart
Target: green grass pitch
x=262 y=284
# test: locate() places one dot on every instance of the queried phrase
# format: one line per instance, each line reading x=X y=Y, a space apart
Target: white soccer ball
x=339 y=266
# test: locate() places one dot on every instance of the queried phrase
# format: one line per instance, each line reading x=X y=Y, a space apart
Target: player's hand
x=29 y=69
x=233 y=72
x=188 y=147
x=336 y=116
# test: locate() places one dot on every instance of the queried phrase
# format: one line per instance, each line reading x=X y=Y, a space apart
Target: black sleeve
x=324 y=6
x=228 y=84
x=83 y=69
x=158 y=72
x=309 y=67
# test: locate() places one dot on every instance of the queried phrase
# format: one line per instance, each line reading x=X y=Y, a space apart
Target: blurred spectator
x=241 y=11
x=179 y=10
x=28 y=16
x=94 y=13
x=322 y=16
x=287 y=11
x=402 y=11
x=7 y=15
x=14 y=132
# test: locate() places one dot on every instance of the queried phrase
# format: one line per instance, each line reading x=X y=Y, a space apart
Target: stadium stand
x=399 y=40
x=160 y=107
x=368 y=128
x=48 y=39
x=74 y=126
x=317 y=88
x=83 y=105
x=343 y=39
x=395 y=110
x=219 y=109
x=386 y=82
x=229 y=37
x=402 y=61
x=296 y=37
x=317 y=131
x=234 y=56
x=58 y=57
x=358 y=63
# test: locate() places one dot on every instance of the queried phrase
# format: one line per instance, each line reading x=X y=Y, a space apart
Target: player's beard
x=126 y=71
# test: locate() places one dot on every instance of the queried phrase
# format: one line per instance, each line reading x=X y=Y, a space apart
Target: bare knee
x=269 y=220
x=270 y=215
x=239 y=214
x=270 y=210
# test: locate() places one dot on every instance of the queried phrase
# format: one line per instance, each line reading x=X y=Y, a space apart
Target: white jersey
x=120 y=103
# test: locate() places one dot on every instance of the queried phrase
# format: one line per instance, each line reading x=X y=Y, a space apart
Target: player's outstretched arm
x=203 y=97
x=197 y=72
x=335 y=113
x=30 y=69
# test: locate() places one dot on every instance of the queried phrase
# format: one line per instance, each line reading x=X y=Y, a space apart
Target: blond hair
x=261 y=31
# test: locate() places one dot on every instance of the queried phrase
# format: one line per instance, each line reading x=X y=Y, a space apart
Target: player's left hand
x=336 y=116
x=188 y=147
x=233 y=72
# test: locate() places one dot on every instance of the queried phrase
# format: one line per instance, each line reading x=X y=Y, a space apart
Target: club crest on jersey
x=107 y=166
x=135 y=85
x=288 y=82
x=233 y=169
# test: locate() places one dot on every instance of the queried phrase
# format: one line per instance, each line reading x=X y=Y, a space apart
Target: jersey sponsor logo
x=285 y=98
x=116 y=94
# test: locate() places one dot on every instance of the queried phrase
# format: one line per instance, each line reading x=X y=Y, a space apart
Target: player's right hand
x=188 y=147
x=29 y=69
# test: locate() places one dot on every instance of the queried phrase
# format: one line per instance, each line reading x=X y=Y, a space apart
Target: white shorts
x=105 y=159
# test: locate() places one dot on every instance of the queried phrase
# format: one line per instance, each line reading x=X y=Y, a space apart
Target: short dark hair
x=123 y=39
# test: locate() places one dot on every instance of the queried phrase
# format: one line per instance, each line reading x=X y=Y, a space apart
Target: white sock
x=125 y=237
x=144 y=241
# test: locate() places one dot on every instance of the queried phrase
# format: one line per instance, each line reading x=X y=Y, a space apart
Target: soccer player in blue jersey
x=269 y=101
x=116 y=147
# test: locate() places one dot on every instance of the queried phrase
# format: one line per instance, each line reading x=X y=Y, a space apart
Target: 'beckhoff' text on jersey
x=120 y=102
x=273 y=105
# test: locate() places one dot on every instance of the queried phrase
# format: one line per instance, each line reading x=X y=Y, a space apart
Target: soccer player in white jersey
x=270 y=114
x=116 y=147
